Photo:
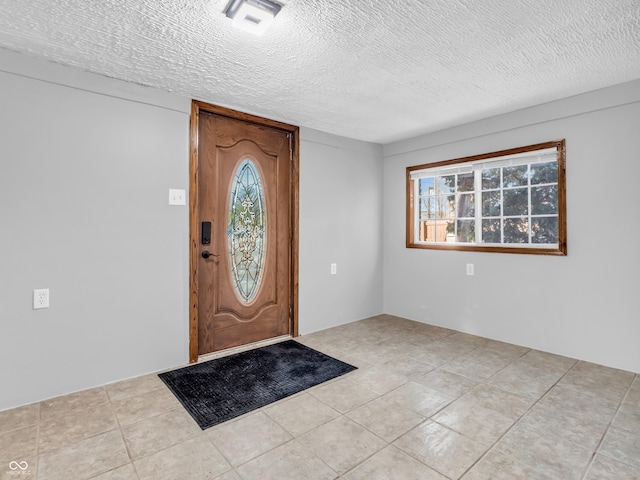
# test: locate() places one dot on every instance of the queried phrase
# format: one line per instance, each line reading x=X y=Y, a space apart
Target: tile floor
x=426 y=403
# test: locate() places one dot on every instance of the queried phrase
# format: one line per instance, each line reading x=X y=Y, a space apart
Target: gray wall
x=86 y=163
x=583 y=305
x=341 y=223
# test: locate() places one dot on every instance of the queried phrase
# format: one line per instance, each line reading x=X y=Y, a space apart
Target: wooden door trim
x=194 y=211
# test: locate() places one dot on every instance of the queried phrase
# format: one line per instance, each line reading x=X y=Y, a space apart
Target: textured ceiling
x=373 y=70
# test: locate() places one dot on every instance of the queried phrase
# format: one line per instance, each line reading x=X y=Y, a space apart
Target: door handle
x=207 y=254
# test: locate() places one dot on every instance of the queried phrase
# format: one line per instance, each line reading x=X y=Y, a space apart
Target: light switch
x=177 y=197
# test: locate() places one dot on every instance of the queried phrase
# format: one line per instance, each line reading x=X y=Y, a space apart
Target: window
x=509 y=201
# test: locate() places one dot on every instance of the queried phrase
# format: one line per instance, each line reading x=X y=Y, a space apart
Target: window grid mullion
x=529 y=202
x=501 y=205
x=477 y=192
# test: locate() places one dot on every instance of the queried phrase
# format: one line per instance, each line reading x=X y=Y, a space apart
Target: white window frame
x=528 y=155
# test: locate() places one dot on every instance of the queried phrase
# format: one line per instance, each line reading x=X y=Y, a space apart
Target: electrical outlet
x=41 y=298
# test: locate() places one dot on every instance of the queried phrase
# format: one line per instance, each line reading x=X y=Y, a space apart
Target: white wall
x=84 y=181
x=583 y=305
x=341 y=223
x=85 y=167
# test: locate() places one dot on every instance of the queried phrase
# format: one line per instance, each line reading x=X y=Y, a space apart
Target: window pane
x=491 y=204
x=514 y=176
x=426 y=210
x=515 y=230
x=491 y=230
x=466 y=231
x=437 y=206
x=446 y=184
x=544 y=200
x=544 y=173
x=516 y=201
x=490 y=178
x=544 y=230
x=447 y=229
x=427 y=186
x=466 y=205
x=465 y=182
x=427 y=231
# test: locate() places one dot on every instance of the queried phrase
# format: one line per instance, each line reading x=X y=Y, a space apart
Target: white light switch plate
x=177 y=197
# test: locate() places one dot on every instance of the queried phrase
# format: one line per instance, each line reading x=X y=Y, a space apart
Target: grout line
x=516 y=421
x=604 y=434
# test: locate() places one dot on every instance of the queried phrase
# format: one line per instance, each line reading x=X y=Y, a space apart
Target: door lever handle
x=207 y=254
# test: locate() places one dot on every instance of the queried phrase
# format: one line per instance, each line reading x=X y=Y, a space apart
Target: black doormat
x=221 y=389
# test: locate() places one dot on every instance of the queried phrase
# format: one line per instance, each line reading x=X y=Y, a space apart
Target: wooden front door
x=243 y=229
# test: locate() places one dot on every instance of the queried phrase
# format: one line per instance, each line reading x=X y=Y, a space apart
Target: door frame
x=194 y=211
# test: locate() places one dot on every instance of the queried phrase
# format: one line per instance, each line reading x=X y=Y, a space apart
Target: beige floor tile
x=19 y=417
x=126 y=472
x=392 y=464
x=580 y=404
x=379 y=379
x=84 y=459
x=157 y=433
x=444 y=450
x=564 y=425
x=600 y=372
x=605 y=468
x=84 y=402
x=545 y=453
x=58 y=431
x=549 y=360
x=418 y=398
x=195 y=459
x=379 y=353
x=446 y=382
x=474 y=421
x=506 y=350
x=230 y=475
x=290 y=461
x=138 y=407
x=508 y=404
x=525 y=380
x=408 y=366
x=135 y=386
x=385 y=418
x=342 y=443
x=251 y=436
x=633 y=395
x=467 y=339
x=469 y=367
x=628 y=418
x=439 y=352
x=595 y=381
x=407 y=371
x=300 y=414
x=17 y=445
x=343 y=395
x=499 y=466
x=623 y=446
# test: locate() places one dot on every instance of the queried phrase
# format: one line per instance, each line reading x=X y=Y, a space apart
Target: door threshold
x=242 y=348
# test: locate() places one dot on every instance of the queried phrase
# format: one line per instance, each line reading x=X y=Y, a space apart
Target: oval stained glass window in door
x=247 y=230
